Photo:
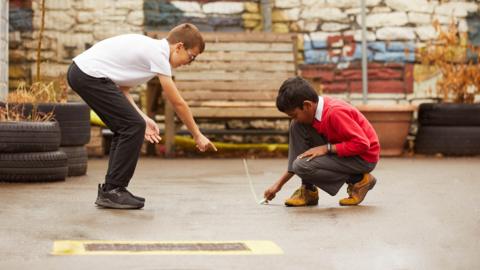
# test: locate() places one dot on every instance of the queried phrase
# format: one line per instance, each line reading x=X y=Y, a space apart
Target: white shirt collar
x=318 y=113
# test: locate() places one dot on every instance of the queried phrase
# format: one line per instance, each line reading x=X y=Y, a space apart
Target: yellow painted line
x=67 y=247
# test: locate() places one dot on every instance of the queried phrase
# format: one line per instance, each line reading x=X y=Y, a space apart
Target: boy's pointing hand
x=203 y=143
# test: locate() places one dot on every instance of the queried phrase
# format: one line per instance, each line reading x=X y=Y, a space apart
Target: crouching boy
x=330 y=143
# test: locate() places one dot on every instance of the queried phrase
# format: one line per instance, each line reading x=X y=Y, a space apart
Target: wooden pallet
x=237 y=77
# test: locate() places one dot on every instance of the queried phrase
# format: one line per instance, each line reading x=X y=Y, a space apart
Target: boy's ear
x=178 y=45
x=307 y=105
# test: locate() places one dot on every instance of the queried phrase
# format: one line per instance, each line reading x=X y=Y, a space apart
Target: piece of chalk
x=264 y=201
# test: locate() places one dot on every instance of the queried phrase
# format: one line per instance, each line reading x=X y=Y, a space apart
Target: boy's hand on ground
x=271 y=192
x=203 y=144
x=152 y=132
x=314 y=152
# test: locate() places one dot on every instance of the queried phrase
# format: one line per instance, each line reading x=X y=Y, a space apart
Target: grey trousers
x=328 y=172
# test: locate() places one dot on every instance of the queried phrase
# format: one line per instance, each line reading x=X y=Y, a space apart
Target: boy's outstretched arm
x=183 y=111
x=277 y=186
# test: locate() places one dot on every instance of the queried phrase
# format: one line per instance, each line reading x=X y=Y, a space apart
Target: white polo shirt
x=128 y=60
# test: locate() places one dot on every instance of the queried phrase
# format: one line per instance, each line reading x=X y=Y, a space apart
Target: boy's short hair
x=293 y=92
x=188 y=34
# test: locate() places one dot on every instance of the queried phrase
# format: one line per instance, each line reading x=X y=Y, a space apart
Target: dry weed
x=460 y=80
x=54 y=91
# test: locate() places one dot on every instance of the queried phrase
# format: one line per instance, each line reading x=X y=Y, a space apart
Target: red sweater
x=347 y=128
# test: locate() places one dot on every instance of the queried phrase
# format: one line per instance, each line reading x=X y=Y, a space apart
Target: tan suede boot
x=303 y=197
x=358 y=191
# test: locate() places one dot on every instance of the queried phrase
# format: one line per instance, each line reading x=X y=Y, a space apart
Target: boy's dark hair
x=188 y=34
x=293 y=92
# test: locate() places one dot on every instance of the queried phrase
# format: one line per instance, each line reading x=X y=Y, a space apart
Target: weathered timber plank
x=247 y=56
x=229 y=95
x=231 y=76
x=230 y=113
x=250 y=47
x=243 y=36
x=263 y=85
x=239 y=65
x=232 y=104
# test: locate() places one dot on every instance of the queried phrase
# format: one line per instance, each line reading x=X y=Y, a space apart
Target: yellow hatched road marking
x=67 y=247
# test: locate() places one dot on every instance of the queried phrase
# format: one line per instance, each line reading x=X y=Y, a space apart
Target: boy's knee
x=301 y=167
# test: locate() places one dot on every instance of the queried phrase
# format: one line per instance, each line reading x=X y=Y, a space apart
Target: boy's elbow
x=364 y=146
x=358 y=146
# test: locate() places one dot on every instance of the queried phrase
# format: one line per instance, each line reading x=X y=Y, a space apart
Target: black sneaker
x=118 y=198
x=136 y=197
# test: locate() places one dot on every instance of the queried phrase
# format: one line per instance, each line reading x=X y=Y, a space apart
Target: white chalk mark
x=263 y=201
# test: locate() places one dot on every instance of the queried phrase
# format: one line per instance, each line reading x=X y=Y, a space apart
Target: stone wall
x=3 y=50
x=329 y=30
x=70 y=27
x=20 y=30
x=395 y=30
x=408 y=21
x=225 y=16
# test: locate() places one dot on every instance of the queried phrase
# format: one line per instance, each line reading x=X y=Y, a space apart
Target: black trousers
x=127 y=125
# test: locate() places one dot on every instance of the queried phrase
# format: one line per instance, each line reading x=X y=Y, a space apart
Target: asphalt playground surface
x=424 y=213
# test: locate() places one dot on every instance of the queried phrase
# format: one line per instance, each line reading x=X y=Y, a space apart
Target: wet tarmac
x=424 y=213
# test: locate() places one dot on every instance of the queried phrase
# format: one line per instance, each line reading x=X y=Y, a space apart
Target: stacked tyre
x=74 y=121
x=448 y=129
x=29 y=152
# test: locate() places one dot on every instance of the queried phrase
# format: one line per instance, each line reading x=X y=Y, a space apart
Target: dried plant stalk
x=15 y=113
x=460 y=80
x=54 y=91
x=39 y=92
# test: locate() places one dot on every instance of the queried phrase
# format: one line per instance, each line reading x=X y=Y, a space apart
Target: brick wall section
x=3 y=50
x=394 y=78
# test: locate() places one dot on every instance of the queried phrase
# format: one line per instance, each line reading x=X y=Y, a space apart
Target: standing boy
x=330 y=143
x=103 y=75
